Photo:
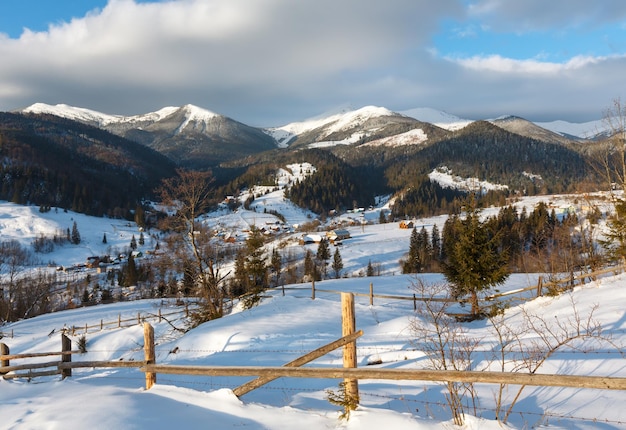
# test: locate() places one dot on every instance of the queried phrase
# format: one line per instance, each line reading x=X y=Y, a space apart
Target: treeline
x=332 y=187
x=487 y=152
x=54 y=162
x=539 y=241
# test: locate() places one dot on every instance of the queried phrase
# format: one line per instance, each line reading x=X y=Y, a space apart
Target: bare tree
x=13 y=258
x=526 y=347
x=611 y=160
x=188 y=196
x=446 y=344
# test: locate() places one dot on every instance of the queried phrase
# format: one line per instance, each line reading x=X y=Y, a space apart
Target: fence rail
x=350 y=373
x=558 y=284
x=511 y=378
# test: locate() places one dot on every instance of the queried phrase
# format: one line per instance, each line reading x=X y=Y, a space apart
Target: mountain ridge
x=442 y=119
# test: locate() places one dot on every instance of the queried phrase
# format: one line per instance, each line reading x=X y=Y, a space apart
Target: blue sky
x=269 y=62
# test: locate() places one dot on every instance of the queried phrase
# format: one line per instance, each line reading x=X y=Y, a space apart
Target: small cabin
x=406 y=224
x=338 y=234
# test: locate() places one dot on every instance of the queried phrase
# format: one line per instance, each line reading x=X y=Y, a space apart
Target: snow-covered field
x=283 y=328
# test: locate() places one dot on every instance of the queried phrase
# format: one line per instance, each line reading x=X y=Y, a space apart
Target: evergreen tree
x=276 y=265
x=142 y=240
x=239 y=283
x=309 y=265
x=370 y=269
x=75 y=237
x=414 y=263
x=133 y=243
x=323 y=254
x=435 y=242
x=614 y=240
x=131 y=275
x=474 y=261
x=104 y=238
x=337 y=265
x=382 y=219
x=256 y=266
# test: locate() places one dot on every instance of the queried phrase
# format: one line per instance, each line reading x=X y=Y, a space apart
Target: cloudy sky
x=271 y=62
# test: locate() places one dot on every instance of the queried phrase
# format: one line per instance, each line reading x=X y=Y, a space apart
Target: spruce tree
x=256 y=266
x=276 y=265
x=309 y=265
x=474 y=262
x=337 y=265
x=413 y=264
x=75 y=237
x=370 y=269
x=435 y=243
x=323 y=254
x=104 y=238
x=133 y=243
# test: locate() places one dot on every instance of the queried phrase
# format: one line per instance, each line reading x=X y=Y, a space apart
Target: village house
x=338 y=234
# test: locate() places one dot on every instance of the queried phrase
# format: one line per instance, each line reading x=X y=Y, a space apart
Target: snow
x=192 y=114
x=197 y=116
x=282 y=328
x=344 y=120
x=444 y=177
x=73 y=113
x=436 y=117
x=584 y=130
x=416 y=136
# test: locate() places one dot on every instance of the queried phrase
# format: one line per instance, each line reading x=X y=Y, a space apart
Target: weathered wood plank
x=307 y=358
x=531 y=379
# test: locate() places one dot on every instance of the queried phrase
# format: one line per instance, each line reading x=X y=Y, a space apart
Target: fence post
x=540 y=286
x=66 y=347
x=119 y=320
x=4 y=350
x=371 y=294
x=313 y=289
x=348 y=327
x=148 y=350
x=139 y=318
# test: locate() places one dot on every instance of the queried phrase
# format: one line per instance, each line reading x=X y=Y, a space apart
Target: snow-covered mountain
x=193 y=116
x=584 y=130
x=436 y=117
x=367 y=124
x=190 y=135
x=195 y=137
x=523 y=127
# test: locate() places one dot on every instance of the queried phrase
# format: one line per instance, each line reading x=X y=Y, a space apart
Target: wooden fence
x=557 y=285
x=350 y=373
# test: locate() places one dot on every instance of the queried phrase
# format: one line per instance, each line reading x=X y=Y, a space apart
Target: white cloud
x=526 y=15
x=269 y=62
x=497 y=63
x=215 y=53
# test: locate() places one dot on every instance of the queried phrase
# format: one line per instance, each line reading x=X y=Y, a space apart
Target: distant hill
x=355 y=128
x=191 y=136
x=52 y=161
x=359 y=154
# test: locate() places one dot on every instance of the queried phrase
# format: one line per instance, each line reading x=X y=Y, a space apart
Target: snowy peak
x=346 y=127
x=336 y=121
x=195 y=118
x=83 y=115
x=439 y=118
x=523 y=127
x=191 y=115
